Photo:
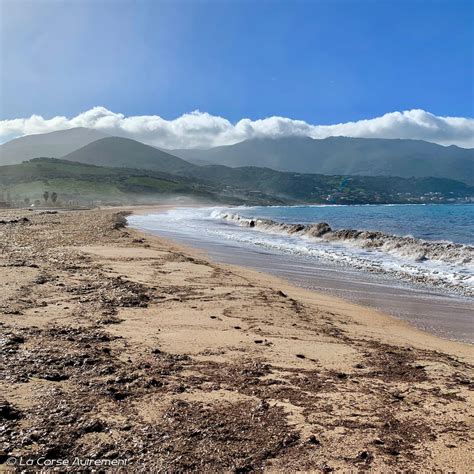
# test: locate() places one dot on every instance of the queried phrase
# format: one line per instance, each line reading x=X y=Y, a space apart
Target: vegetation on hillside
x=317 y=188
x=344 y=155
x=88 y=184
x=83 y=183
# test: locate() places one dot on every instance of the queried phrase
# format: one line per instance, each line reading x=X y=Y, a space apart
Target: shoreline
x=401 y=332
x=385 y=326
x=422 y=307
x=122 y=333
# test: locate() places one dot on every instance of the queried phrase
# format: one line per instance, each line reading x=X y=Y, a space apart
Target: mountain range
x=330 y=156
x=358 y=178
x=343 y=155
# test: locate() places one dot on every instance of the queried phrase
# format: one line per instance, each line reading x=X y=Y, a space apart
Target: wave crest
x=410 y=248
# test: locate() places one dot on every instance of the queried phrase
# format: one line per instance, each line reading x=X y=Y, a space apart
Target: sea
x=415 y=262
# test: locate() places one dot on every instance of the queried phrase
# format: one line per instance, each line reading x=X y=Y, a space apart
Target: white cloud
x=201 y=130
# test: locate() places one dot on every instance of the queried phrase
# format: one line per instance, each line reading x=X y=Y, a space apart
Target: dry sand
x=120 y=345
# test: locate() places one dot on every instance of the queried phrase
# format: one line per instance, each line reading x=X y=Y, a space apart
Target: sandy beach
x=118 y=345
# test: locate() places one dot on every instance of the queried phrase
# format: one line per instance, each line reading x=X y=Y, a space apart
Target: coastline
x=380 y=324
x=429 y=309
x=317 y=381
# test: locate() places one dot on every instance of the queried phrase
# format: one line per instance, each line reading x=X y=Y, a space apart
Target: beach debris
x=365 y=456
x=313 y=440
x=98 y=394
x=8 y=412
x=21 y=220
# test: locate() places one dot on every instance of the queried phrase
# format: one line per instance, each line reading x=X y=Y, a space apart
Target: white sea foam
x=441 y=264
x=406 y=247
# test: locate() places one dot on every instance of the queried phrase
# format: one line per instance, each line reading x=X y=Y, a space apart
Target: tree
x=54 y=197
x=46 y=196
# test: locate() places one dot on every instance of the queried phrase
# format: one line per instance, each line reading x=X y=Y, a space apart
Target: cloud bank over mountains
x=202 y=130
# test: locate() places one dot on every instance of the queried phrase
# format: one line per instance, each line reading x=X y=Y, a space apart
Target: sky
x=309 y=63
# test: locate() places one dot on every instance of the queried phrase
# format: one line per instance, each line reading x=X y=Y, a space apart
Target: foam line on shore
x=445 y=265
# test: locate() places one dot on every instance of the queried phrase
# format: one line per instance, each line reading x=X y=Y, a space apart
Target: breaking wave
x=409 y=248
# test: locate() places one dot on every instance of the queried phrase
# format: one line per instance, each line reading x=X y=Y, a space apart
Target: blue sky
x=319 y=61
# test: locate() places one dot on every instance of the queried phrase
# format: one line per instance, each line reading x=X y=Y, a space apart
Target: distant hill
x=84 y=183
x=316 y=188
x=54 y=144
x=344 y=156
x=257 y=186
x=123 y=169
x=330 y=156
x=127 y=153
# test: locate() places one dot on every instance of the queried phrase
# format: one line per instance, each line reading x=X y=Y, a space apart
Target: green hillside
x=344 y=156
x=317 y=188
x=84 y=183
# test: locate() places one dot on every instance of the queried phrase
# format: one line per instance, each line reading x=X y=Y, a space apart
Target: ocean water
x=450 y=222
x=413 y=261
x=425 y=245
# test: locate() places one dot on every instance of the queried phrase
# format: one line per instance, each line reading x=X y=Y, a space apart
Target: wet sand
x=447 y=316
x=120 y=345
